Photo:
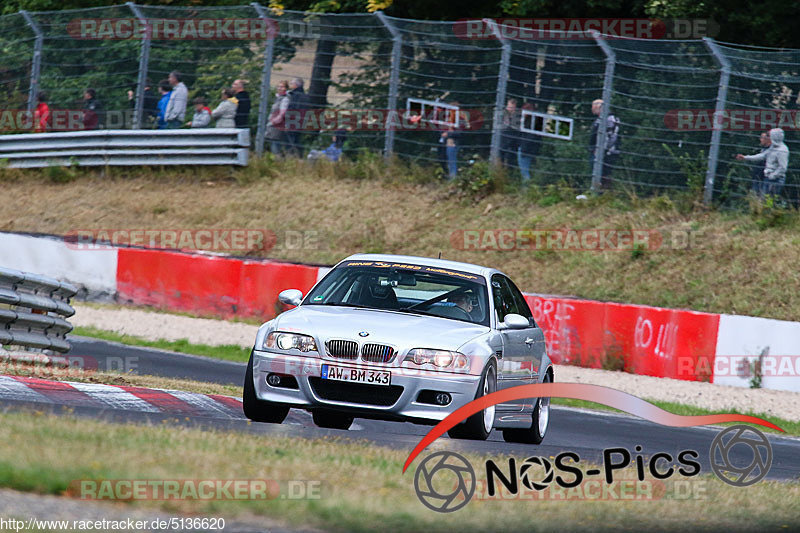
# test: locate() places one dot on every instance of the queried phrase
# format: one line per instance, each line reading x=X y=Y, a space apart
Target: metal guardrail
x=201 y=146
x=33 y=310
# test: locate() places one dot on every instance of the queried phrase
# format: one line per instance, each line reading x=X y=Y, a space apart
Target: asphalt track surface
x=584 y=432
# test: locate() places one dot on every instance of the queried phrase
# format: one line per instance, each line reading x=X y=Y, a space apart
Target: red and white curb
x=119 y=397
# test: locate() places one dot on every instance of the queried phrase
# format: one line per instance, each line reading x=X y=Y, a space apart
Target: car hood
x=402 y=330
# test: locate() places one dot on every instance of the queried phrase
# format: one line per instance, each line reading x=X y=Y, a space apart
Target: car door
x=534 y=336
x=514 y=366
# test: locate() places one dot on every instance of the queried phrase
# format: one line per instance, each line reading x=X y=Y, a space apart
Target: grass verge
x=372 y=206
x=228 y=352
x=34 y=446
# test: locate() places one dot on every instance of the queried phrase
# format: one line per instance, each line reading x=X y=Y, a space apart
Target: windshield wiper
x=340 y=304
x=417 y=312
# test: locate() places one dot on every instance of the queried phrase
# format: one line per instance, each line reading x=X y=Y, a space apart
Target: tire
x=540 y=422
x=479 y=425
x=260 y=410
x=331 y=419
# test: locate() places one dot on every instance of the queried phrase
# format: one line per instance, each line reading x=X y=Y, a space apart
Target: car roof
x=427 y=261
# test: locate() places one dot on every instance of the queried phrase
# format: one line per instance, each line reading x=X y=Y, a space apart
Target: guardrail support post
x=36 y=63
x=394 y=81
x=266 y=74
x=608 y=82
x=716 y=132
x=144 y=61
x=500 y=100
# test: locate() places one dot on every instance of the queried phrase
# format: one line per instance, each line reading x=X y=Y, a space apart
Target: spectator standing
x=132 y=97
x=165 y=89
x=41 y=115
x=277 y=118
x=757 y=171
x=176 y=109
x=776 y=159
x=149 y=102
x=92 y=110
x=243 y=108
x=298 y=102
x=225 y=113
x=611 y=146
x=509 y=135
x=451 y=138
x=528 y=149
x=202 y=114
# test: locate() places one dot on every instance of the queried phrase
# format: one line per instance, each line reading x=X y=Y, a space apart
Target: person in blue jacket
x=166 y=91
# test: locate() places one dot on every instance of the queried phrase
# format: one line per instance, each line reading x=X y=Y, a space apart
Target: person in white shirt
x=176 y=108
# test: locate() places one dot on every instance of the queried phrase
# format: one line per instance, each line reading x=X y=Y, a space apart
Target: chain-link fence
x=419 y=79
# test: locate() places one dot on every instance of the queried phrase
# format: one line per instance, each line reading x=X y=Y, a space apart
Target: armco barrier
x=33 y=311
x=640 y=339
x=200 y=146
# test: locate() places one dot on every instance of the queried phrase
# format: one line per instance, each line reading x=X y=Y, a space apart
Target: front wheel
x=260 y=410
x=540 y=421
x=479 y=425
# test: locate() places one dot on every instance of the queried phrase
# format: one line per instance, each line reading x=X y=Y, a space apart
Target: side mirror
x=291 y=297
x=515 y=321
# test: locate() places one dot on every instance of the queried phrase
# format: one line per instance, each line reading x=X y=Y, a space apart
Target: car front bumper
x=374 y=401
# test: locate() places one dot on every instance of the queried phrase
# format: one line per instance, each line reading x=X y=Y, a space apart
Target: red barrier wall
x=205 y=284
x=639 y=339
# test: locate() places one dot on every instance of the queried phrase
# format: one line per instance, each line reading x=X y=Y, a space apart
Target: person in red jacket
x=41 y=116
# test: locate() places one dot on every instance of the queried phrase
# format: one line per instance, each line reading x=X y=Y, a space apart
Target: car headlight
x=290 y=341
x=438 y=358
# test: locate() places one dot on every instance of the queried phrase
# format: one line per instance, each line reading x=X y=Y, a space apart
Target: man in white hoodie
x=777 y=162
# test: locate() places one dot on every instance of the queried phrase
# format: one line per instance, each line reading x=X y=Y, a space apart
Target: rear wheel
x=479 y=425
x=331 y=419
x=260 y=410
x=540 y=421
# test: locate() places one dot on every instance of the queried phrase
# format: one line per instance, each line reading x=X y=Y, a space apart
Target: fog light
x=274 y=380
x=443 y=398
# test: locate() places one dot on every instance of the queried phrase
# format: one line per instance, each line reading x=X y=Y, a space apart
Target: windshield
x=405 y=288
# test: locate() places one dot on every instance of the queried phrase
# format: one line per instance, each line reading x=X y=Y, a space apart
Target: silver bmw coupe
x=402 y=338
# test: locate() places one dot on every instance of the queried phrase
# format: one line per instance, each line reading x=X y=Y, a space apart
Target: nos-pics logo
x=445 y=481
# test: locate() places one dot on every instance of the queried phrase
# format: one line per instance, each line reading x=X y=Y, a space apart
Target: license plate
x=356 y=375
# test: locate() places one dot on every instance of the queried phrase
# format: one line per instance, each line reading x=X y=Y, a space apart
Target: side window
x=522 y=305
x=504 y=302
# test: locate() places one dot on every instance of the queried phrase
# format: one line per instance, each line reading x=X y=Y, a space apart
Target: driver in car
x=464 y=301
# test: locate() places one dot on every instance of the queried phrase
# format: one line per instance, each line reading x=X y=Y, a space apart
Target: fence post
x=716 y=132
x=266 y=74
x=608 y=81
x=394 y=81
x=500 y=99
x=36 y=63
x=144 y=61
